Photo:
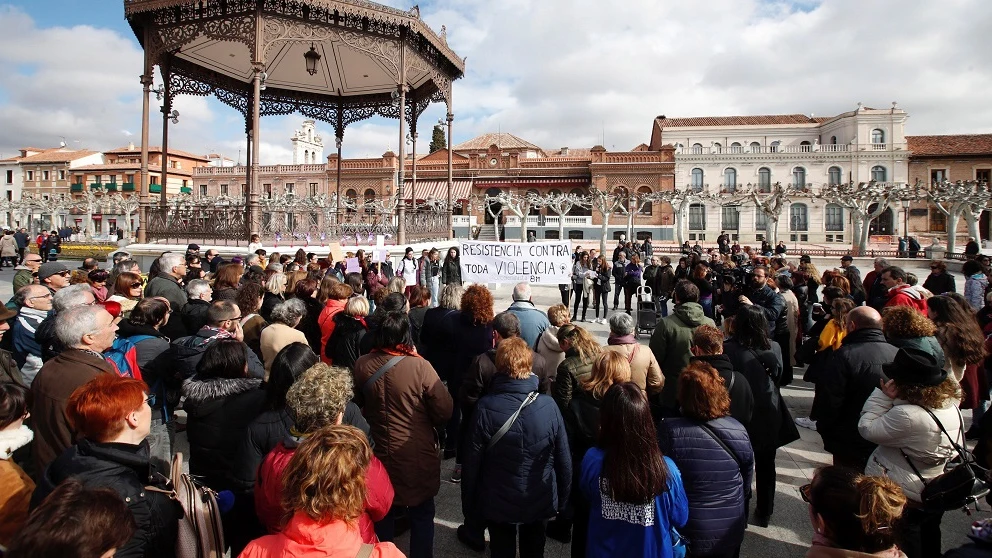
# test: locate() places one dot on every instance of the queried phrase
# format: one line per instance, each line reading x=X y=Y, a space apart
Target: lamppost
x=905 y=221
x=411 y=138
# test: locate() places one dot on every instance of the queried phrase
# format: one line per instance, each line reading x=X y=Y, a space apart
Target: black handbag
x=961 y=484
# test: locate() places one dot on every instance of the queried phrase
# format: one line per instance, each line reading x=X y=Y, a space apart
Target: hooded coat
x=345 y=345
x=671 y=342
x=550 y=350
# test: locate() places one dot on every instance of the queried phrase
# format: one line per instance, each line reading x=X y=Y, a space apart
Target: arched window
x=774 y=146
x=764 y=180
x=730 y=179
x=799 y=177
x=805 y=146
x=351 y=195
x=369 y=198
x=534 y=210
x=697 y=179
x=878 y=174
x=306 y=156
x=835 y=175
x=579 y=211
x=645 y=208
x=697 y=217
x=833 y=140
x=735 y=147
x=798 y=217
x=313 y=158
x=878 y=138
x=697 y=148
x=755 y=147
x=717 y=147
x=833 y=217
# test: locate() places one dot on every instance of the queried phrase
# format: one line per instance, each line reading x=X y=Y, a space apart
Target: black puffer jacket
x=126 y=469
x=741 y=398
x=766 y=421
x=309 y=324
x=344 y=345
x=843 y=384
x=218 y=412
x=194 y=314
x=717 y=488
x=527 y=476
x=269 y=301
x=436 y=334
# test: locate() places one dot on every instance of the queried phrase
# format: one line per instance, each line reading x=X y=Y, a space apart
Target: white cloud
x=557 y=73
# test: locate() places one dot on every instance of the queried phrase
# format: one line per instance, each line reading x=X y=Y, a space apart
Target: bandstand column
x=146 y=87
x=166 y=109
x=401 y=201
x=253 y=212
x=451 y=218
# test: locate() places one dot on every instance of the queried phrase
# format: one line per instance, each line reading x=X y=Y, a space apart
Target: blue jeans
x=421 y=528
x=434 y=284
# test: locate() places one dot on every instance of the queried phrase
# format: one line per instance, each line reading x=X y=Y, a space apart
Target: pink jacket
x=305 y=538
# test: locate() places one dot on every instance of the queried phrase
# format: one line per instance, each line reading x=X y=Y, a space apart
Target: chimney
x=130 y=146
x=563 y=151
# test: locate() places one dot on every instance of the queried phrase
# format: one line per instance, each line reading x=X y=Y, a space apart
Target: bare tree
x=125 y=206
x=606 y=203
x=865 y=201
x=772 y=203
x=954 y=199
x=517 y=204
x=561 y=204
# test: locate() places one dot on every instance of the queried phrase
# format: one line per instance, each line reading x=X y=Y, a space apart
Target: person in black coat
x=707 y=348
x=759 y=360
x=845 y=381
x=438 y=330
x=344 y=345
x=111 y=452
x=939 y=281
x=520 y=480
x=714 y=455
x=309 y=324
x=771 y=304
x=221 y=401
x=194 y=312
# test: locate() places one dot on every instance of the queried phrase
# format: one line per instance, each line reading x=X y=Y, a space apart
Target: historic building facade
x=725 y=155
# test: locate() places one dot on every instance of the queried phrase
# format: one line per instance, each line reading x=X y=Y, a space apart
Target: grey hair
x=289 y=312
x=451 y=297
x=621 y=324
x=252 y=259
x=169 y=260
x=197 y=287
x=521 y=291
x=882 y=262
x=276 y=284
x=76 y=322
x=72 y=296
x=24 y=293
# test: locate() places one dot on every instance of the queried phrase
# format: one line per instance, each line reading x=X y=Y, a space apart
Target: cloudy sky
x=554 y=72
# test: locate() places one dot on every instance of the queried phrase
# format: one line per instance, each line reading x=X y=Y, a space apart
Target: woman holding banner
x=582 y=277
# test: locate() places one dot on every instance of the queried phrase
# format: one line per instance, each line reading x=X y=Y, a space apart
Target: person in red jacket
x=334 y=294
x=317 y=400
x=899 y=292
x=326 y=485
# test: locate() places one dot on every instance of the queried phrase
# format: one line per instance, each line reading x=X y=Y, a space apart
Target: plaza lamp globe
x=312 y=57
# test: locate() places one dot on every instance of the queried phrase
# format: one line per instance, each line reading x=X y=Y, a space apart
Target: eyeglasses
x=65 y=273
x=136 y=285
x=150 y=400
x=47 y=295
x=804 y=491
x=238 y=317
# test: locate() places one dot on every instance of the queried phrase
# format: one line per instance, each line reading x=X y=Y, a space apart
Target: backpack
x=123 y=356
x=201 y=532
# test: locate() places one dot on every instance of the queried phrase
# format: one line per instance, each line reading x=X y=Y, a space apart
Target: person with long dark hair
x=451 y=269
x=635 y=493
x=964 y=351
x=582 y=280
x=759 y=359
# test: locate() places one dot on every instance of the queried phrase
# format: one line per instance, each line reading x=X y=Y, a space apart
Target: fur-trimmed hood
x=199 y=392
x=13 y=440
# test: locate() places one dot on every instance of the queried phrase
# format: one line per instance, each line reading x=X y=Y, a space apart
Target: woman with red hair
x=111 y=417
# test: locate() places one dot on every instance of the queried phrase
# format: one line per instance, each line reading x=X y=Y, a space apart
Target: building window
x=760 y=220
x=755 y=147
x=10 y=177
x=45 y=175
x=878 y=139
x=697 y=180
x=697 y=148
x=645 y=207
x=313 y=189
x=290 y=187
x=938 y=221
x=938 y=175
x=878 y=174
x=203 y=190
x=730 y=218
x=834 y=176
x=551 y=234
x=61 y=175
x=735 y=147
x=805 y=146
x=798 y=217
x=833 y=217
x=578 y=210
x=764 y=180
x=833 y=140
x=350 y=196
x=575 y=235
x=267 y=190
x=773 y=148
x=223 y=189
x=697 y=217
x=717 y=147
x=983 y=175
x=799 y=177
x=30 y=175
x=730 y=180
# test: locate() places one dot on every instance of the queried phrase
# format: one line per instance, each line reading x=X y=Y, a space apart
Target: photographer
x=772 y=304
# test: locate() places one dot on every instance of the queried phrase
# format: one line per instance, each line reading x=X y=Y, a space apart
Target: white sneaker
x=805 y=422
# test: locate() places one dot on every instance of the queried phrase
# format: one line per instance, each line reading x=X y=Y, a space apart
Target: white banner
x=546 y=263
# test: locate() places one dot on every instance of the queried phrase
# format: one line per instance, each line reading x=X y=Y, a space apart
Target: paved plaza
x=789 y=531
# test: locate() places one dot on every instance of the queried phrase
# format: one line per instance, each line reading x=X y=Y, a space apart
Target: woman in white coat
x=901 y=416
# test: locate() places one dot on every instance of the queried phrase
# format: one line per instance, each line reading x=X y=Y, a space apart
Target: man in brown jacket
x=644 y=369
x=85 y=331
x=404 y=405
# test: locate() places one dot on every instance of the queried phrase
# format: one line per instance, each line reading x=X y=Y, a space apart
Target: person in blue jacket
x=635 y=494
x=714 y=454
x=519 y=480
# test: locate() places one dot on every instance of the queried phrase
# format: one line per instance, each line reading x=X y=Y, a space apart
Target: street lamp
x=312 y=57
x=905 y=221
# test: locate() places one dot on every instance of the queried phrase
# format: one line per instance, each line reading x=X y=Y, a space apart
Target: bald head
x=863 y=317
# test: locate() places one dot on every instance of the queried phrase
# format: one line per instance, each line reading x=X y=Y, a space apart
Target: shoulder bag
x=531 y=397
x=958 y=486
x=382 y=370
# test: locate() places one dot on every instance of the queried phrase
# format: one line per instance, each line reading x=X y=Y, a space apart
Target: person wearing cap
x=193 y=250
x=906 y=416
x=848 y=261
x=26 y=271
x=34 y=303
x=166 y=285
x=845 y=382
x=54 y=276
x=9 y=372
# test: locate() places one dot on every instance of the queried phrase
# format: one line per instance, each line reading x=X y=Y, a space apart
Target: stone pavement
x=789 y=531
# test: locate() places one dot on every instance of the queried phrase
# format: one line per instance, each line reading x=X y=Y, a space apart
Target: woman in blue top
x=635 y=494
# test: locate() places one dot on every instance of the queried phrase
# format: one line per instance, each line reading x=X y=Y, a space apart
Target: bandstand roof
x=214 y=46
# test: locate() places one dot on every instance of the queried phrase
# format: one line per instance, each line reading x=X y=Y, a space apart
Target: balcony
x=155 y=188
x=75 y=187
x=112 y=187
x=185 y=190
x=127 y=187
x=746 y=150
x=96 y=185
x=550 y=221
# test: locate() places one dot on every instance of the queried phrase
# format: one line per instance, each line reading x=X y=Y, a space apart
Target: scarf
x=621 y=339
x=13 y=440
x=399 y=350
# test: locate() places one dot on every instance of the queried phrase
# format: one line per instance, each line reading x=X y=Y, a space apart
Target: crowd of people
x=320 y=399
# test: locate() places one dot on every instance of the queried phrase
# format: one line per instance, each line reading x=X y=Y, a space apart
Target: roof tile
x=966 y=144
x=761 y=120
x=58 y=156
x=502 y=140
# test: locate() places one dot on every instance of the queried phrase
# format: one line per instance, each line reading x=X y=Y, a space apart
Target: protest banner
x=545 y=263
